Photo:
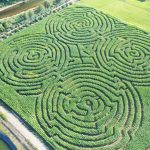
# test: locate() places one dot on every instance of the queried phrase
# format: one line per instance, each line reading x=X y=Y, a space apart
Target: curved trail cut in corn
x=83 y=74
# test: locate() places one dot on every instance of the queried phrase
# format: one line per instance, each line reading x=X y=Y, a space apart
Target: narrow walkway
x=21 y=131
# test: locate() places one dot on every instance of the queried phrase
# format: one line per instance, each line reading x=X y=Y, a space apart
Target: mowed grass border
x=128 y=11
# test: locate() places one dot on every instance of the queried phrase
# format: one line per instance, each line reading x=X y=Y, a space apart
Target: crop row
x=84 y=72
x=87 y=109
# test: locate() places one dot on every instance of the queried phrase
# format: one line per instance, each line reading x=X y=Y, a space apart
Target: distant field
x=131 y=11
x=137 y=3
x=80 y=78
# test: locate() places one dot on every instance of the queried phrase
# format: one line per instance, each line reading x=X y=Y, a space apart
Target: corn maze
x=83 y=72
x=34 y=60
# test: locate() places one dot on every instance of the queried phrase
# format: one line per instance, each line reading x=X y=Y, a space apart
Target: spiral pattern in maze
x=79 y=25
x=126 y=55
x=87 y=109
x=31 y=60
x=83 y=72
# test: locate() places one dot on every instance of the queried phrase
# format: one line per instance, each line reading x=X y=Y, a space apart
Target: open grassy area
x=137 y=3
x=80 y=79
x=133 y=12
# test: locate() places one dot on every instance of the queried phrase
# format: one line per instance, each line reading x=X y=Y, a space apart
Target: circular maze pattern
x=87 y=109
x=127 y=55
x=31 y=60
x=84 y=73
x=79 y=25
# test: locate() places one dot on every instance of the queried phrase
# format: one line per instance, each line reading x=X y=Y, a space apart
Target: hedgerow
x=83 y=74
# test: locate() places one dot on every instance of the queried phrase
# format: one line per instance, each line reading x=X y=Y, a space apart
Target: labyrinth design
x=126 y=54
x=32 y=59
x=82 y=112
x=84 y=73
x=79 y=26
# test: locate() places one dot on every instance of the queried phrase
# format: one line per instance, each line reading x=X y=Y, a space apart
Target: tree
x=24 y=16
x=7 y=24
x=46 y=4
x=56 y=2
x=1 y=28
x=31 y=14
x=40 y=9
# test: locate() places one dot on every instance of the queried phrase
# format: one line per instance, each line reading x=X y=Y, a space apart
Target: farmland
x=133 y=12
x=80 y=80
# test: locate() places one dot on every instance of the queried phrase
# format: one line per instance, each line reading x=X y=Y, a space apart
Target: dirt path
x=6 y=7
x=21 y=131
x=19 y=7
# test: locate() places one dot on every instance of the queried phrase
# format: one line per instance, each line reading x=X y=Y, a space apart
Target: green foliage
x=55 y=2
x=47 y=4
x=2 y=28
x=31 y=14
x=125 y=10
x=78 y=79
x=25 y=16
x=40 y=9
x=7 y=2
x=7 y=24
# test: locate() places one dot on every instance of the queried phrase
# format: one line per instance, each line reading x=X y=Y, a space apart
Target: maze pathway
x=80 y=111
x=32 y=59
x=84 y=73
